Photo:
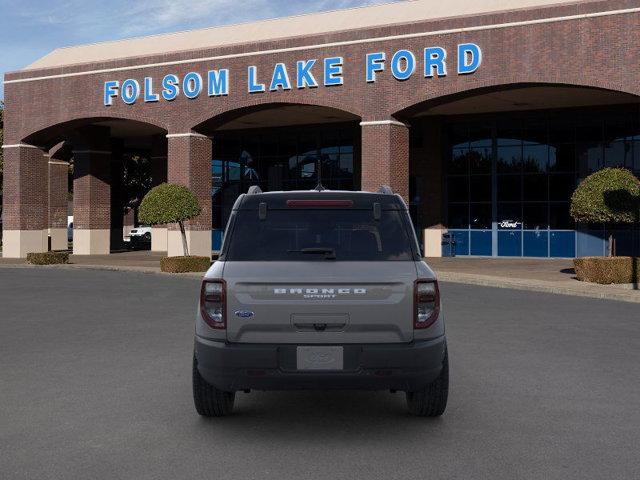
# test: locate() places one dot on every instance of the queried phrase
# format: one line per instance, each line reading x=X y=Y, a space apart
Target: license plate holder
x=322 y=358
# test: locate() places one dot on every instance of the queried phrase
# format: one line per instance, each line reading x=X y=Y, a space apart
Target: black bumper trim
x=232 y=367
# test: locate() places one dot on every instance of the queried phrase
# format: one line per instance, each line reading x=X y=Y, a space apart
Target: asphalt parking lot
x=95 y=383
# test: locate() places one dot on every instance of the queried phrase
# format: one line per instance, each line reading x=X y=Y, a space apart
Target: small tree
x=611 y=195
x=169 y=203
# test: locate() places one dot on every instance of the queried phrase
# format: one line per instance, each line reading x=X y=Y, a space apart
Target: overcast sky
x=30 y=29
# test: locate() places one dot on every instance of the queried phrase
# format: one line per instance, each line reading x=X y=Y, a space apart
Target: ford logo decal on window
x=244 y=313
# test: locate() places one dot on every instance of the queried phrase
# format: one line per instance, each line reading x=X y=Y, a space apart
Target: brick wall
x=25 y=189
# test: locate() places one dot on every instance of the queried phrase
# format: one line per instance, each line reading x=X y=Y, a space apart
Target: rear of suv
x=320 y=290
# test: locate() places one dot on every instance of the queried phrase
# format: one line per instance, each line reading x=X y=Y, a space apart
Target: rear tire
x=208 y=400
x=431 y=401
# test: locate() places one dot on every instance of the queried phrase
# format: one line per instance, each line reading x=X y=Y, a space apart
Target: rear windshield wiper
x=329 y=253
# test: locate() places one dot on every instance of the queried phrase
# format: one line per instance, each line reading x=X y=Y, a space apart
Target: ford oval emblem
x=244 y=313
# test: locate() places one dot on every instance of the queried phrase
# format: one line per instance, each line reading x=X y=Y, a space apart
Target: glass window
x=346 y=164
x=562 y=158
x=307 y=143
x=459 y=135
x=559 y=217
x=589 y=157
x=480 y=216
x=510 y=216
x=509 y=133
x=509 y=188
x=458 y=189
x=561 y=187
x=459 y=161
x=561 y=130
x=535 y=216
x=589 y=130
x=636 y=156
x=481 y=188
x=279 y=159
x=288 y=145
x=535 y=188
x=618 y=154
x=509 y=159
x=480 y=160
x=535 y=132
x=290 y=235
x=535 y=158
x=458 y=215
x=480 y=136
x=538 y=158
x=619 y=127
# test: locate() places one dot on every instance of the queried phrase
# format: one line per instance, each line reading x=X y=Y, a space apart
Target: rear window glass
x=302 y=235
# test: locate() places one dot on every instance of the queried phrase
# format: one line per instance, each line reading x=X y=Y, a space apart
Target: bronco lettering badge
x=244 y=313
x=320 y=293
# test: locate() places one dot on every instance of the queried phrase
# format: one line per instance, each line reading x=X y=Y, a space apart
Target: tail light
x=213 y=303
x=426 y=303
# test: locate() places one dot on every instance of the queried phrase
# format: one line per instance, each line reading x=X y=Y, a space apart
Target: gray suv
x=320 y=290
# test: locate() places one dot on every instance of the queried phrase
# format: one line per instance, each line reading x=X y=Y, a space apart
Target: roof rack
x=254 y=190
x=385 y=190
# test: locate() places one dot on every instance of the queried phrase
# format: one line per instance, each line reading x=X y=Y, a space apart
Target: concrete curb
x=574 y=288
x=112 y=268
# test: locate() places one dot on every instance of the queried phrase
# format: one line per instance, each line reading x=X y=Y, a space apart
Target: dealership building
x=484 y=115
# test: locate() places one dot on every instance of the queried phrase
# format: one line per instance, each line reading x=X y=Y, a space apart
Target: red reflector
x=319 y=203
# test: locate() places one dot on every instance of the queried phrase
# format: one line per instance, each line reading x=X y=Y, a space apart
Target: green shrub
x=611 y=195
x=607 y=270
x=170 y=203
x=48 y=258
x=185 y=264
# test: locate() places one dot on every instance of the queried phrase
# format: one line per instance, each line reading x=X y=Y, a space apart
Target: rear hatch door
x=320 y=302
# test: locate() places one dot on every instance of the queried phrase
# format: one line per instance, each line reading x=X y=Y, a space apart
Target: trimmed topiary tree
x=611 y=195
x=170 y=203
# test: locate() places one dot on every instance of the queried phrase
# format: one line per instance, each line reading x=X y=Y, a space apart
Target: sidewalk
x=538 y=275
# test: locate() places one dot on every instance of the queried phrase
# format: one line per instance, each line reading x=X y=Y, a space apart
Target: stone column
x=189 y=164
x=158 y=159
x=92 y=192
x=385 y=156
x=25 y=202
x=58 y=192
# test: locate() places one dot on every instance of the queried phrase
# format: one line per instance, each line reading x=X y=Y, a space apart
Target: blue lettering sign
x=280 y=78
x=469 y=58
x=170 y=87
x=254 y=86
x=434 y=59
x=192 y=85
x=375 y=63
x=218 y=82
x=149 y=96
x=110 y=92
x=304 y=77
x=333 y=71
x=403 y=64
x=130 y=91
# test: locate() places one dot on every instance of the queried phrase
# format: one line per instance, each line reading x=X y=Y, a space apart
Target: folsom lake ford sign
x=309 y=73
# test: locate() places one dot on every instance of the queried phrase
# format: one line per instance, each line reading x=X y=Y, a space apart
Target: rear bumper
x=232 y=367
